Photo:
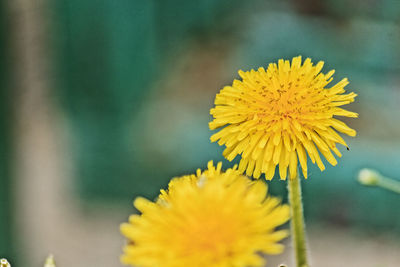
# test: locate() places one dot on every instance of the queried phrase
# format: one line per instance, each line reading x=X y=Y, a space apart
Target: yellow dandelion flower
x=273 y=117
x=211 y=218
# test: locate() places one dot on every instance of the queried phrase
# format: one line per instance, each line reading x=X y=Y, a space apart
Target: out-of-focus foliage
x=109 y=55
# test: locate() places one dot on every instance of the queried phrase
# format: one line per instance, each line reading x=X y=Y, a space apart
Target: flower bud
x=4 y=263
x=50 y=261
x=369 y=177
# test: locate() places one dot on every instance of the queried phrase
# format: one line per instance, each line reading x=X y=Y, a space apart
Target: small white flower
x=50 y=261
x=4 y=263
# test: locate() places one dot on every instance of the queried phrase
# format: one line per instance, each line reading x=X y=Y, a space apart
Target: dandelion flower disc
x=213 y=218
x=275 y=116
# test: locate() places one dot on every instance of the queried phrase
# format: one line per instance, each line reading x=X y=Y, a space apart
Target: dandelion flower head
x=211 y=218
x=275 y=116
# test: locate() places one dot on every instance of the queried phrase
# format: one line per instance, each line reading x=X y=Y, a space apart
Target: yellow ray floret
x=211 y=218
x=279 y=115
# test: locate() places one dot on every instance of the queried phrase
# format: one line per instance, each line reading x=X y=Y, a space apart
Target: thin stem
x=297 y=222
x=389 y=184
x=370 y=177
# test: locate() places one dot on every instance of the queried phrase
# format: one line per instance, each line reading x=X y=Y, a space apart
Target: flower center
x=212 y=234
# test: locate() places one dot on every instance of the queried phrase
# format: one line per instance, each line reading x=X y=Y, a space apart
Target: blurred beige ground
x=51 y=219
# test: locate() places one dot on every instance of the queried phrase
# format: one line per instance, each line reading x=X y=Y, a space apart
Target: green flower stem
x=370 y=177
x=389 y=184
x=297 y=223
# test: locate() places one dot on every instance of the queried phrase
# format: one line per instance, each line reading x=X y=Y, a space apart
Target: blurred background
x=102 y=101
